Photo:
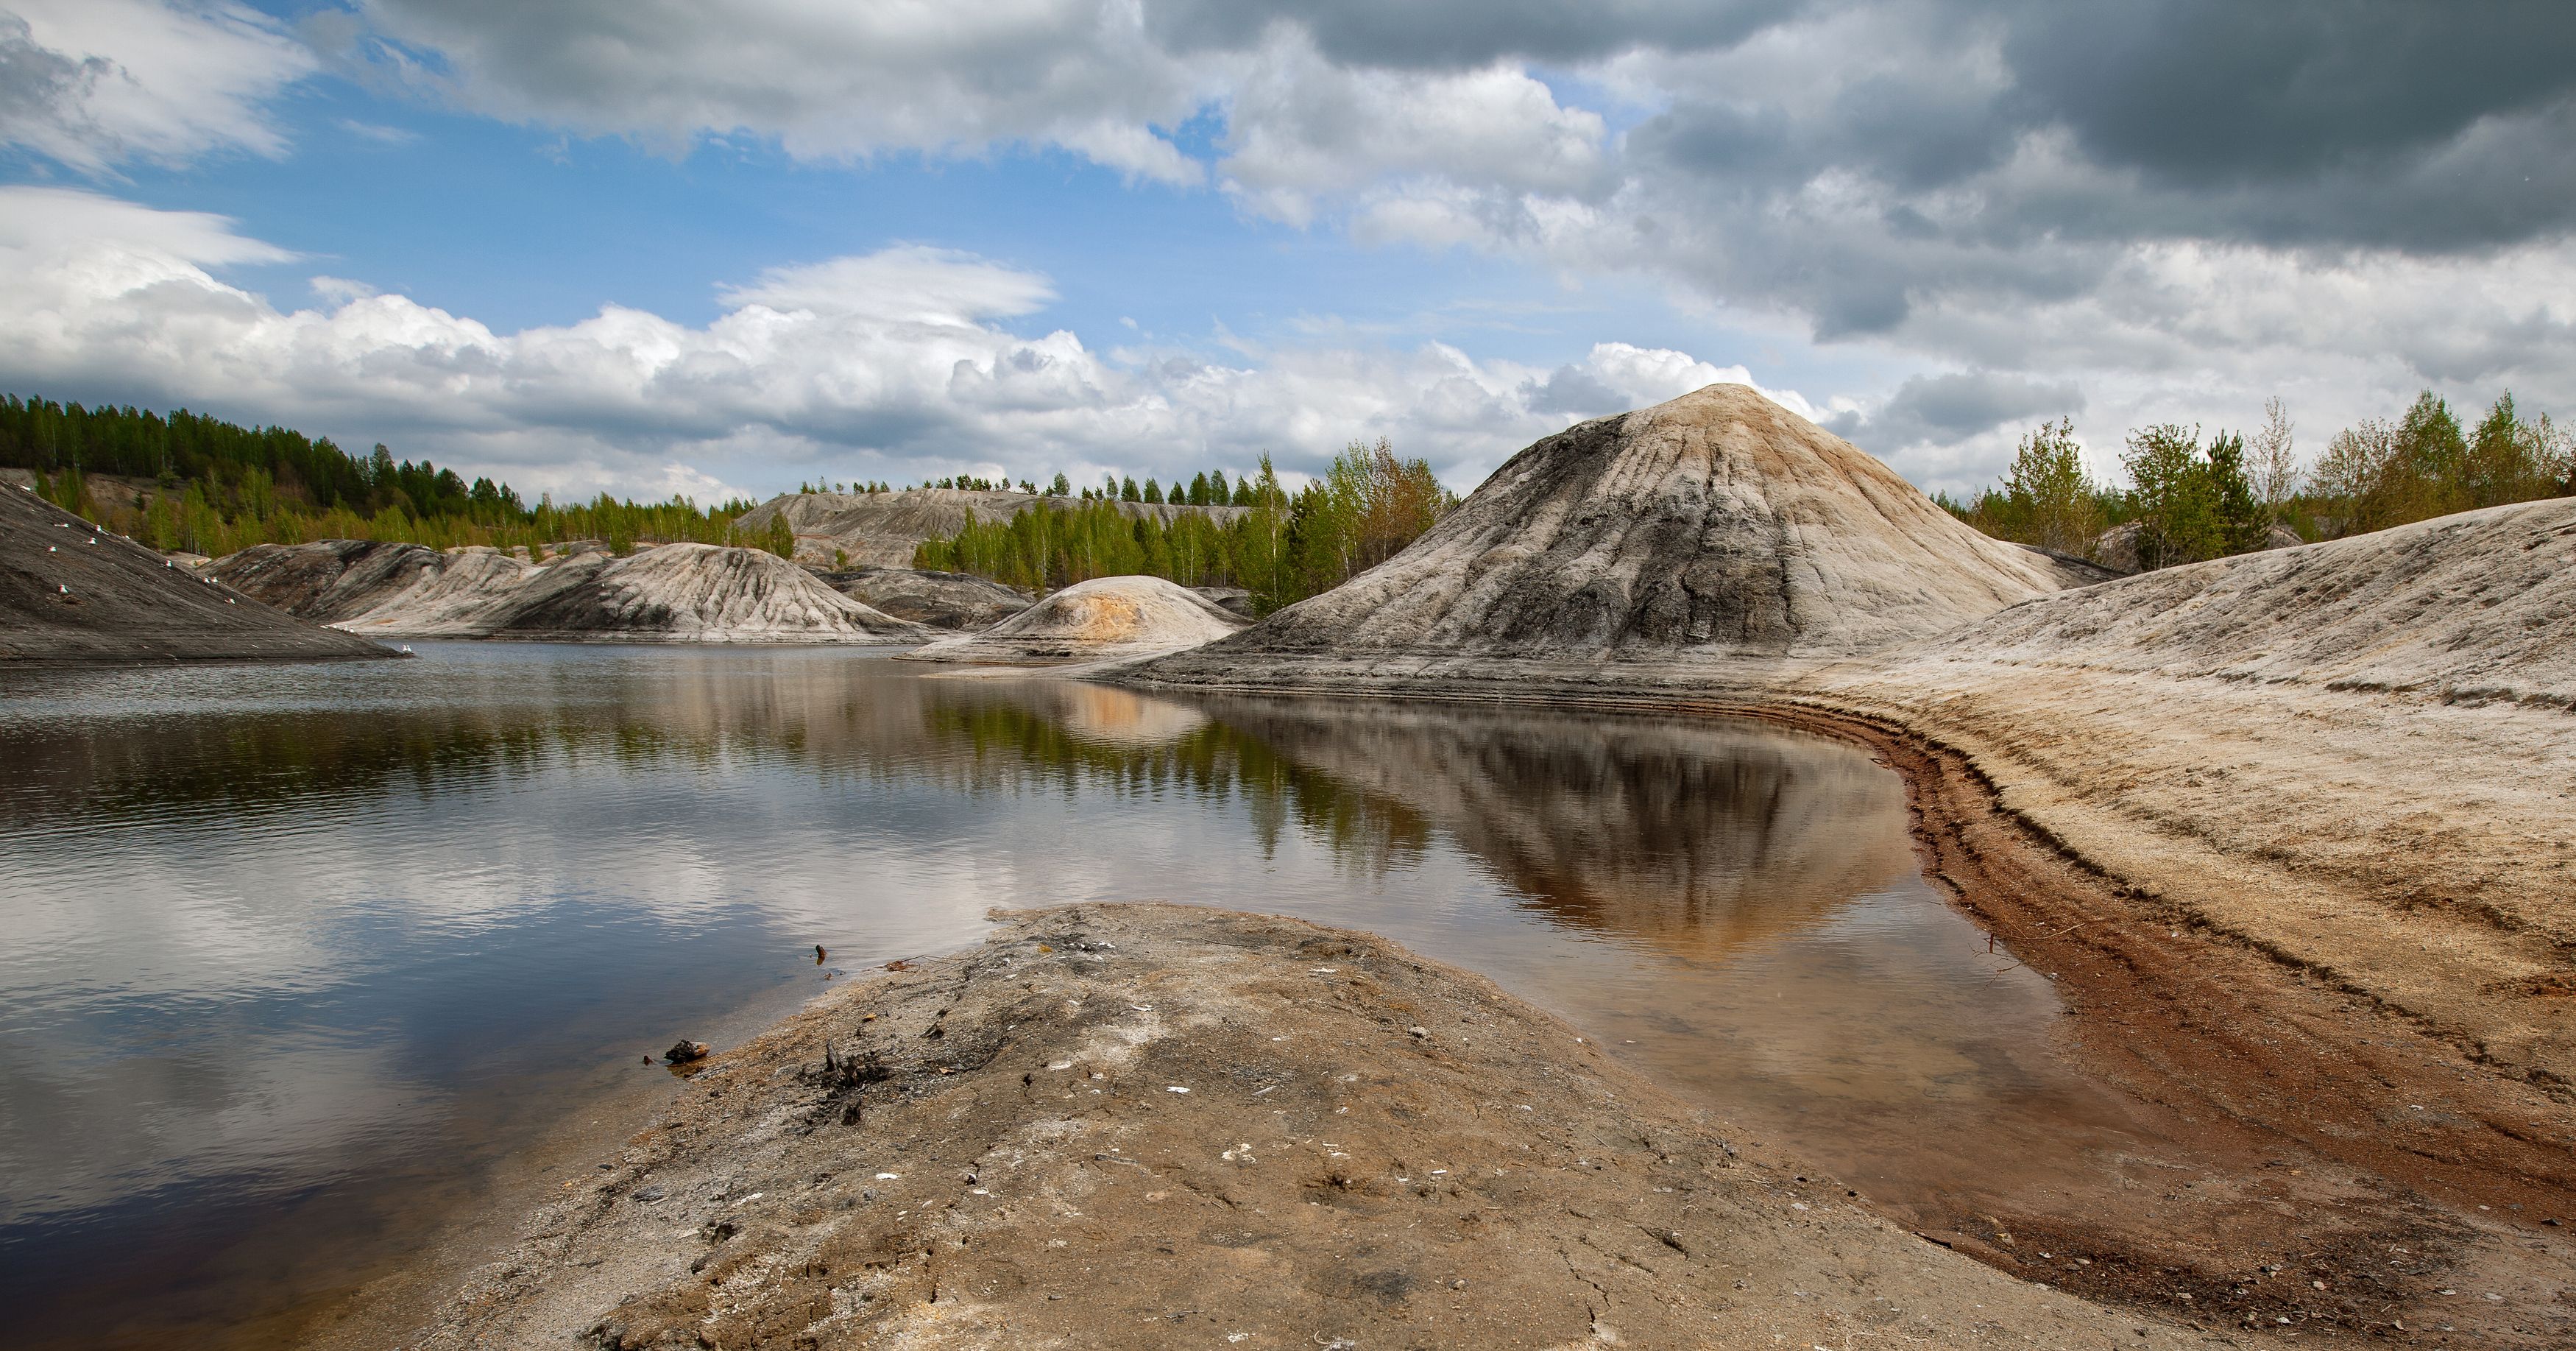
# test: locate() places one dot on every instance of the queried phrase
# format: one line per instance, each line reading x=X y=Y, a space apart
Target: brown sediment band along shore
x=2294 y=834
x=1153 y=1125
x=2293 y=831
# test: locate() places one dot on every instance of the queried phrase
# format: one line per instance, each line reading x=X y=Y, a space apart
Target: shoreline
x=2269 y=1084
x=1148 y=1124
x=2343 y=1120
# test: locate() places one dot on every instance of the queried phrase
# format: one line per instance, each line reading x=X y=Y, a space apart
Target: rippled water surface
x=295 y=954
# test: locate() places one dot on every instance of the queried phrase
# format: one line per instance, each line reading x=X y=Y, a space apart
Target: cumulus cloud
x=93 y=84
x=2066 y=193
x=2157 y=208
x=892 y=364
x=826 y=80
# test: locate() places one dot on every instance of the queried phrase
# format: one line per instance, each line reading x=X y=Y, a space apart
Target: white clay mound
x=1101 y=619
x=1718 y=524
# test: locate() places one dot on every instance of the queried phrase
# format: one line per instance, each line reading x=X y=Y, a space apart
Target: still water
x=296 y=955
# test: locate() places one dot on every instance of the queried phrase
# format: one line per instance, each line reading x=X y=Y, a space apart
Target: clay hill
x=942 y=600
x=882 y=529
x=1716 y=525
x=1106 y=618
x=71 y=593
x=701 y=593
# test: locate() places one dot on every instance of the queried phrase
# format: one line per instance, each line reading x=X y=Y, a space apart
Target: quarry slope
x=882 y=529
x=702 y=593
x=1106 y=618
x=70 y=593
x=942 y=600
x=1149 y=1125
x=1718 y=524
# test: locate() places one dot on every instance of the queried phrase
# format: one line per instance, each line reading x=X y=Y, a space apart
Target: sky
x=722 y=247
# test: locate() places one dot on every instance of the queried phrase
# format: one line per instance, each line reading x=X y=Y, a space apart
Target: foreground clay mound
x=1160 y=1126
x=942 y=600
x=71 y=593
x=883 y=529
x=2479 y=605
x=701 y=593
x=1106 y=618
x=1719 y=524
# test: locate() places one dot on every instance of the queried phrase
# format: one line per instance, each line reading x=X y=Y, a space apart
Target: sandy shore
x=1372 y=1150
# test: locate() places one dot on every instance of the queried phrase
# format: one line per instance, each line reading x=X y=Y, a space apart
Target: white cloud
x=96 y=83
x=891 y=364
x=825 y=79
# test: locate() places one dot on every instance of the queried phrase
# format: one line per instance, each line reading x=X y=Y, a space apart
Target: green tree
x=2243 y=525
x=2174 y=495
x=2048 y=496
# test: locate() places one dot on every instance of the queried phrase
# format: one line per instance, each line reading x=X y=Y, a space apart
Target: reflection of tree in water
x=1693 y=836
x=1029 y=732
x=470 y=727
x=1689 y=835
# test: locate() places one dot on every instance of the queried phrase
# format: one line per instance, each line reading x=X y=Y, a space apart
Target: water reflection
x=299 y=951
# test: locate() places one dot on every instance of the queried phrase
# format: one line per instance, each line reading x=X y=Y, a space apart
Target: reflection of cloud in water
x=87 y=1139
x=304 y=920
x=1694 y=837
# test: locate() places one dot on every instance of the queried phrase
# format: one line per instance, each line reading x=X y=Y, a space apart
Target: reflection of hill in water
x=1691 y=836
x=1694 y=837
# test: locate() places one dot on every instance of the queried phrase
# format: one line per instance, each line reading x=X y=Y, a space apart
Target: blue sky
x=713 y=248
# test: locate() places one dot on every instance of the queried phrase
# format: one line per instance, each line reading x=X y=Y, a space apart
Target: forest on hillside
x=2189 y=501
x=1285 y=547
x=196 y=483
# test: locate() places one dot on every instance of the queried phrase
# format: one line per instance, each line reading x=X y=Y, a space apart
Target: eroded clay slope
x=2481 y=604
x=71 y=593
x=1102 y=619
x=327 y=580
x=702 y=593
x=942 y=600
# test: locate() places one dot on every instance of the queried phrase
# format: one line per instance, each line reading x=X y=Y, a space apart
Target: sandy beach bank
x=1153 y=1125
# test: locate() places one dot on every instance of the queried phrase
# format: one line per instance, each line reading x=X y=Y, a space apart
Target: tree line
x=186 y=481
x=1208 y=488
x=2188 y=501
x=1283 y=548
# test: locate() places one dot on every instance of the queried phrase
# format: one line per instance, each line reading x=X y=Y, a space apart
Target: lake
x=298 y=956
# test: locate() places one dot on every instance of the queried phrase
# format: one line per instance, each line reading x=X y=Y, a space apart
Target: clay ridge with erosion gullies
x=72 y=594
x=699 y=593
x=940 y=600
x=2311 y=812
x=1150 y=1125
x=1104 y=619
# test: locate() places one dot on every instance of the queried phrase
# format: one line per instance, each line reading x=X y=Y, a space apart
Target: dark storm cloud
x=2205 y=91
x=1459 y=33
x=1947 y=408
x=1859 y=164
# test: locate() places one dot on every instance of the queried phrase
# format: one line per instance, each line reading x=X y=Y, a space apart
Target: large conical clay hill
x=1718 y=524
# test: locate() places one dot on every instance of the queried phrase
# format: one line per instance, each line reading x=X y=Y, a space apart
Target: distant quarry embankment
x=698 y=593
x=883 y=529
